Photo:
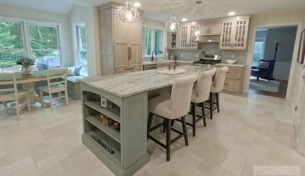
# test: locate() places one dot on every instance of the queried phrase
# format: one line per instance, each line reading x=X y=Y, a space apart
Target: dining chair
x=57 y=83
x=170 y=108
x=9 y=93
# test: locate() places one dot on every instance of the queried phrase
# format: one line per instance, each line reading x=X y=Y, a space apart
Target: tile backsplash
x=210 y=48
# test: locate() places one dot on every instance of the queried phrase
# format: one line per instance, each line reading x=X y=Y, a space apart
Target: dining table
x=28 y=83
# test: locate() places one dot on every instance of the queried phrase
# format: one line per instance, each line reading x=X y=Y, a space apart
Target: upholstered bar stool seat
x=170 y=108
x=200 y=95
x=217 y=87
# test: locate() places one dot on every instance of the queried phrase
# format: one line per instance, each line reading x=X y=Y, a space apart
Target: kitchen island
x=115 y=115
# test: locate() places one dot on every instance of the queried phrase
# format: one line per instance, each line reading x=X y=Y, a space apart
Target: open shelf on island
x=106 y=143
x=113 y=113
x=109 y=130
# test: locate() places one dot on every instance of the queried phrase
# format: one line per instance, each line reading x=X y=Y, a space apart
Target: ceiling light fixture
x=232 y=13
x=184 y=19
x=137 y=4
x=128 y=13
x=172 y=25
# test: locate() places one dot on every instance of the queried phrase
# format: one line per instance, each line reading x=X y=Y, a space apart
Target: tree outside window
x=258 y=53
x=11 y=43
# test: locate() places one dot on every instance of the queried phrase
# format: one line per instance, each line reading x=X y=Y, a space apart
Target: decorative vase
x=26 y=70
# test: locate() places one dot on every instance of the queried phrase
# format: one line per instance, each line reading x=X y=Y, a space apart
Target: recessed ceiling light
x=184 y=19
x=232 y=13
x=137 y=4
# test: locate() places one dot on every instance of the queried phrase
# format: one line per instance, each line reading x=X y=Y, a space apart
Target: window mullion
x=27 y=42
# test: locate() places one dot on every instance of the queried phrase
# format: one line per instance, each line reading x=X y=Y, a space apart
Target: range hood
x=208 y=39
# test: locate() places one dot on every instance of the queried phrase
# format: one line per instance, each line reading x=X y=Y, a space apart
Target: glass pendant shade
x=128 y=13
x=173 y=25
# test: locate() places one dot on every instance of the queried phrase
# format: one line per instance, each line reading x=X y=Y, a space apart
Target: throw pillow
x=77 y=70
x=71 y=71
x=264 y=65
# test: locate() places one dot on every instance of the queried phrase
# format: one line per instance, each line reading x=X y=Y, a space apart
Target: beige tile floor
x=249 y=131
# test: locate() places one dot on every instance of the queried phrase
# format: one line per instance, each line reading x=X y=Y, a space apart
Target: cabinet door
x=184 y=37
x=120 y=35
x=234 y=34
x=226 y=34
x=241 y=33
x=192 y=37
x=135 y=44
x=211 y=28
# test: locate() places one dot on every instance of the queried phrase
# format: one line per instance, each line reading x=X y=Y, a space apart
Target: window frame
x=163 y=40
x=25 y=34
x=76 y=42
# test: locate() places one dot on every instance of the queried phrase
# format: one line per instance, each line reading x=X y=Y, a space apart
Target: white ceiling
x=163 y=9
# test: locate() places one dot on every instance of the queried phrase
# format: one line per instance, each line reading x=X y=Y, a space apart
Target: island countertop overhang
x=129 y=84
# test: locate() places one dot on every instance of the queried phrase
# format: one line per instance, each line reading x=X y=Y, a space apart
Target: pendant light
x=128 y=13
x=172 y=25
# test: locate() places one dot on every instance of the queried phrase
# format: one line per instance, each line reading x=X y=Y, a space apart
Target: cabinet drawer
x=234 y=73
x=232 y=85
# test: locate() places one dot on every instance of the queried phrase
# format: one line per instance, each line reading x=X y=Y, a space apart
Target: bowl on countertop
x=231 y=61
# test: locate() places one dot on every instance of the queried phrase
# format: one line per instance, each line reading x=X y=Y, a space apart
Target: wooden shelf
x=107 y=130
x=113 y=113
x=116 y=156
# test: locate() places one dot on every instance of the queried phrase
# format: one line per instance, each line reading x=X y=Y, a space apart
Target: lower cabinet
x=235 y=78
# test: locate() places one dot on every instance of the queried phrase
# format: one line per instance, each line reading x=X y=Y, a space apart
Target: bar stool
x=200 y=95
x=217 y=87
x=170 y=108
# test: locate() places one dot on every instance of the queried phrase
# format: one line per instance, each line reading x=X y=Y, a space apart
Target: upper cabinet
x=210 y=28
x=187 y=36
x=121 y=43
x=173 y=40
x=234 y=33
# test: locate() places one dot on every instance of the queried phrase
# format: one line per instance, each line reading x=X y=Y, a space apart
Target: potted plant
x=25 y=62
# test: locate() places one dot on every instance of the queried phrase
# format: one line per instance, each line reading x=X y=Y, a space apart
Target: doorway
x=271 y=60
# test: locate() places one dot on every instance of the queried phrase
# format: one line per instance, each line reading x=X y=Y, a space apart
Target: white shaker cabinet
x=210 y=28
x=187 y=36
x=234 y=33
x=120 y=43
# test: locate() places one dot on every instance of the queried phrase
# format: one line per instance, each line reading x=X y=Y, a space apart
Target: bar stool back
x=217 y=87
x=201 y=93
x=170 y=108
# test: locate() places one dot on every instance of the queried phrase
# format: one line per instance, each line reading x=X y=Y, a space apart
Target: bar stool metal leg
x=217 y=101
x=194 y=118
x=211 y=105
x=168 y=139
x=184 y=131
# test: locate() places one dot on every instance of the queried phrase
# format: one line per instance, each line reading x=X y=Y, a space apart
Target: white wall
x=42 y=16
x=89 y=16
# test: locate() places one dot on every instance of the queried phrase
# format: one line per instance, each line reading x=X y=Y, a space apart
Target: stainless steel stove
x=209 y=59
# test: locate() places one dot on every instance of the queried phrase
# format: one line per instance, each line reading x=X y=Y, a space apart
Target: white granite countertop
x=128 y=84
x=164 y=61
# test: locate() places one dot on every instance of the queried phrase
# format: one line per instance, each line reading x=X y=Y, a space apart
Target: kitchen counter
x=231 y=65
x=165 y=61
x=128 y=84
x=126 y=96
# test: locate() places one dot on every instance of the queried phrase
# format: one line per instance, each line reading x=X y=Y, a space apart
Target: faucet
x=152 y=55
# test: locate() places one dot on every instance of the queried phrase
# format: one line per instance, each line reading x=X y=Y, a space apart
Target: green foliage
x=153 y=39
x=11 y=42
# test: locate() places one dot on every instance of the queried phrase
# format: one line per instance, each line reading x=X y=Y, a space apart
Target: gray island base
x=115 y=115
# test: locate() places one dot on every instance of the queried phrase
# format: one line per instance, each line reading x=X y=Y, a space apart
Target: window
x=152 y=42
x=33 y=40
x=81 y=48
x=258 y=53
x=45 y=48
x=11 y=43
